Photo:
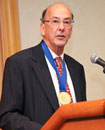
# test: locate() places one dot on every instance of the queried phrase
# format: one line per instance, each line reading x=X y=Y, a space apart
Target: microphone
x=97 y=60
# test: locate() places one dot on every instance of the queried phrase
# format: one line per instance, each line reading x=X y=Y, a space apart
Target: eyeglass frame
x=59 y=21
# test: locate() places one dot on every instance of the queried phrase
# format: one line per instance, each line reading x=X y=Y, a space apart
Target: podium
x=87 y=115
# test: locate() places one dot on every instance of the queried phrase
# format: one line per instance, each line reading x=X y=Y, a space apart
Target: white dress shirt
x=55 y=78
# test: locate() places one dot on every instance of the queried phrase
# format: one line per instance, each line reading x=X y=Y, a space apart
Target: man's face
x=55 y=32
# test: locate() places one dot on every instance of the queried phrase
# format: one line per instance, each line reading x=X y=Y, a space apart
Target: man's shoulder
x=71 y=60
x=24 y=54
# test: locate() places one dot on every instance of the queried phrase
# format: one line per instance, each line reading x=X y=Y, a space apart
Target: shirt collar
x=54 y=55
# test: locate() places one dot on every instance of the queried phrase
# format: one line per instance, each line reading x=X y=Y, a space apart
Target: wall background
x=88 y=36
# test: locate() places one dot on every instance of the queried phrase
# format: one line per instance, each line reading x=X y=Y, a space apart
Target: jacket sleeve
x=12 y=101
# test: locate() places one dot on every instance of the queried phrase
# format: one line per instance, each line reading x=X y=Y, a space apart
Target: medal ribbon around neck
x=63 y=78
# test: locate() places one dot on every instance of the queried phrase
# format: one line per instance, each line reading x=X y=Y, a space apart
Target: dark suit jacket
x=29 y=98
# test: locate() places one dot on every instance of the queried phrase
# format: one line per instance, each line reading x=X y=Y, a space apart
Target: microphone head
x=94 y=58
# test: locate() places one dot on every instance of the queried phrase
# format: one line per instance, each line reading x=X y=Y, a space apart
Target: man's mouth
x=60 y=36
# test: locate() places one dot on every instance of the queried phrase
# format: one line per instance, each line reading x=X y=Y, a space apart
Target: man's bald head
x=55 y=6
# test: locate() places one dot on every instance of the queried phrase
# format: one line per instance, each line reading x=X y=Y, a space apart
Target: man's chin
x=61 y=43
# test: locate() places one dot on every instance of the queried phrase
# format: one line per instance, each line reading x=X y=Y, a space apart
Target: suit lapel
x=41 y=69
x=75 y=78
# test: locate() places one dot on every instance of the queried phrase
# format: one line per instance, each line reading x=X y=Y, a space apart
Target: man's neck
x=58 y=50
x=54 y=55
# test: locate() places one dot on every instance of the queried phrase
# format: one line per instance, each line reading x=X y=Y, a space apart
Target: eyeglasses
x=56 y=22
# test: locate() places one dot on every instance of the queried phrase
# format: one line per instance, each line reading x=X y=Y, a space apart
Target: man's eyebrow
x=56 y=17
x=68 y=18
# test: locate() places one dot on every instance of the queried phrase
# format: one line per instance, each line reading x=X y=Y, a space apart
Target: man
x=32 y=83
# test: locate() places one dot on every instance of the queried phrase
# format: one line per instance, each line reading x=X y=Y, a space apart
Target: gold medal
x=64 y=98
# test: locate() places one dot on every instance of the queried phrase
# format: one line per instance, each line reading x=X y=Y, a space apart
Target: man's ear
x=42 y=29
x=71 y=31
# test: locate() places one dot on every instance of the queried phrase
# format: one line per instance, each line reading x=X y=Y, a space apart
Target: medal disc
x=64 y=98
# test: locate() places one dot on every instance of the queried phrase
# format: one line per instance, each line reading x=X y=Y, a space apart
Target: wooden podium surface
x=88 y=115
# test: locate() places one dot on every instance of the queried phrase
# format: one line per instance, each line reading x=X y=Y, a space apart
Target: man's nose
x=61 y=25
